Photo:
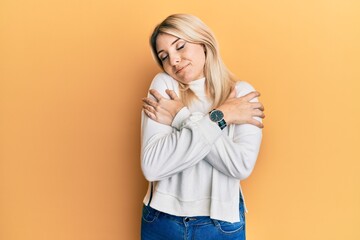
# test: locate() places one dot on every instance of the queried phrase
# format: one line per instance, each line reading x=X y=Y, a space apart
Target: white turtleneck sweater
x=195 y=166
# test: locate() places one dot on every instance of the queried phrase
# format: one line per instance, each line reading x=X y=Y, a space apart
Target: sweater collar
x=198 y=86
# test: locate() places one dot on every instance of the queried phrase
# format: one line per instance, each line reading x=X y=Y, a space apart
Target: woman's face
x=182 y=60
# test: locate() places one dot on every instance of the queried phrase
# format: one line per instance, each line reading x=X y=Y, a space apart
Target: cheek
x=199 y=57
x=167 y=68
x=200 y=62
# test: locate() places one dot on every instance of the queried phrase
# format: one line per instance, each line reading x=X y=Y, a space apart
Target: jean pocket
x=149 y=214
x=228 y=227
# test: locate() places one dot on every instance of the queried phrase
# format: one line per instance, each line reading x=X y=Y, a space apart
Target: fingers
x=150 y=114
x=172 y=94
x=149 y=108
x=258 y=105
x=156 y=94
x=251 y=96
x=256 y=123
x=150 y=102
x=258 y=113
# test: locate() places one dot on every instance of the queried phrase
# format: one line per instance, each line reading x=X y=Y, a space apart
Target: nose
x=174 y=59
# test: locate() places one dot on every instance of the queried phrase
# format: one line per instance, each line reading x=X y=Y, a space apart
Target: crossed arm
x=236 y=110
x=169 y=149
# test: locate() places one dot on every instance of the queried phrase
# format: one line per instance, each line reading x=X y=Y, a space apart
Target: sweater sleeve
x=165 y=150
x=236 y=155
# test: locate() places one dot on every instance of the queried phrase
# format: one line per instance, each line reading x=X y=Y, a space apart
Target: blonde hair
x=219 y=80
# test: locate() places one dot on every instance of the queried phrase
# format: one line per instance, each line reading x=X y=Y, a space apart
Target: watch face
x=216 y=115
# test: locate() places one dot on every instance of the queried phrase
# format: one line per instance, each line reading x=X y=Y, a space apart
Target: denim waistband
x=190 y=220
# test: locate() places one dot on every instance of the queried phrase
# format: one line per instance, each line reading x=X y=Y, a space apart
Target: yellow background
x=73 y=73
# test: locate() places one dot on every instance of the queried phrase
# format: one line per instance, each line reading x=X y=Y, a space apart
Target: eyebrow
x=170 y=45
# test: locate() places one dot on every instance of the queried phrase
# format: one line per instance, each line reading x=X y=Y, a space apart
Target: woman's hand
x=161 y=109
x=241 y=110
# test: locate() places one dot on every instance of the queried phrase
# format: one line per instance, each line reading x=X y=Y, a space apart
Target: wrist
x=179 y=109
x=217 y=116
x=180 y=117
x=226 y=114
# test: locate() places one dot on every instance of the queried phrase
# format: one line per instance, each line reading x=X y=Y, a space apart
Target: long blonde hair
x=219 y=80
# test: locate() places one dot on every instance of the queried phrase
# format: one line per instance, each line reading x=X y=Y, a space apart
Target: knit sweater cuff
x=210 y=130
x=180 y=117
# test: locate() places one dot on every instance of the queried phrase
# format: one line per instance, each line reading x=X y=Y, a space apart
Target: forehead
x=164 y=40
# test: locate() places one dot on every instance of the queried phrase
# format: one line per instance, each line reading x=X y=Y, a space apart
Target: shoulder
x=163 y=81
x=243 y=88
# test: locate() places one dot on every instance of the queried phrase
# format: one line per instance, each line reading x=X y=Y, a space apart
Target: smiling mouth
x=182 y=68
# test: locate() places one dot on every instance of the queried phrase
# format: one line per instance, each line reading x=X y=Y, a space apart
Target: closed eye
x=163 y=58
x=181 y=47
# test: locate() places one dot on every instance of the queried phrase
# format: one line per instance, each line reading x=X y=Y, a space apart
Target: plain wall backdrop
x=72 y=75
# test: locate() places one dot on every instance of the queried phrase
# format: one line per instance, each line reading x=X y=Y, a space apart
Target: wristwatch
x=217 y=116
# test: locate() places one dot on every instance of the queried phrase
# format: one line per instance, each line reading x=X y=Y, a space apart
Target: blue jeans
x=156 y=225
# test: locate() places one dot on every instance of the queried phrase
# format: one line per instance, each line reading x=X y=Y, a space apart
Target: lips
x=181 y=68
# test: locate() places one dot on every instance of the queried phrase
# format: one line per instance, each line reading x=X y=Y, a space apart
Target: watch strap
x=222 y=124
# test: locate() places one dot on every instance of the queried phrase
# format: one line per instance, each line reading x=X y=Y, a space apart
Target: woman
x=201 y=134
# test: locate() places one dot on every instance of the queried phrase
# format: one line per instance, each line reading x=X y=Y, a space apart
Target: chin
x=185 y=81
x=181 y=79
x=188 y=79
